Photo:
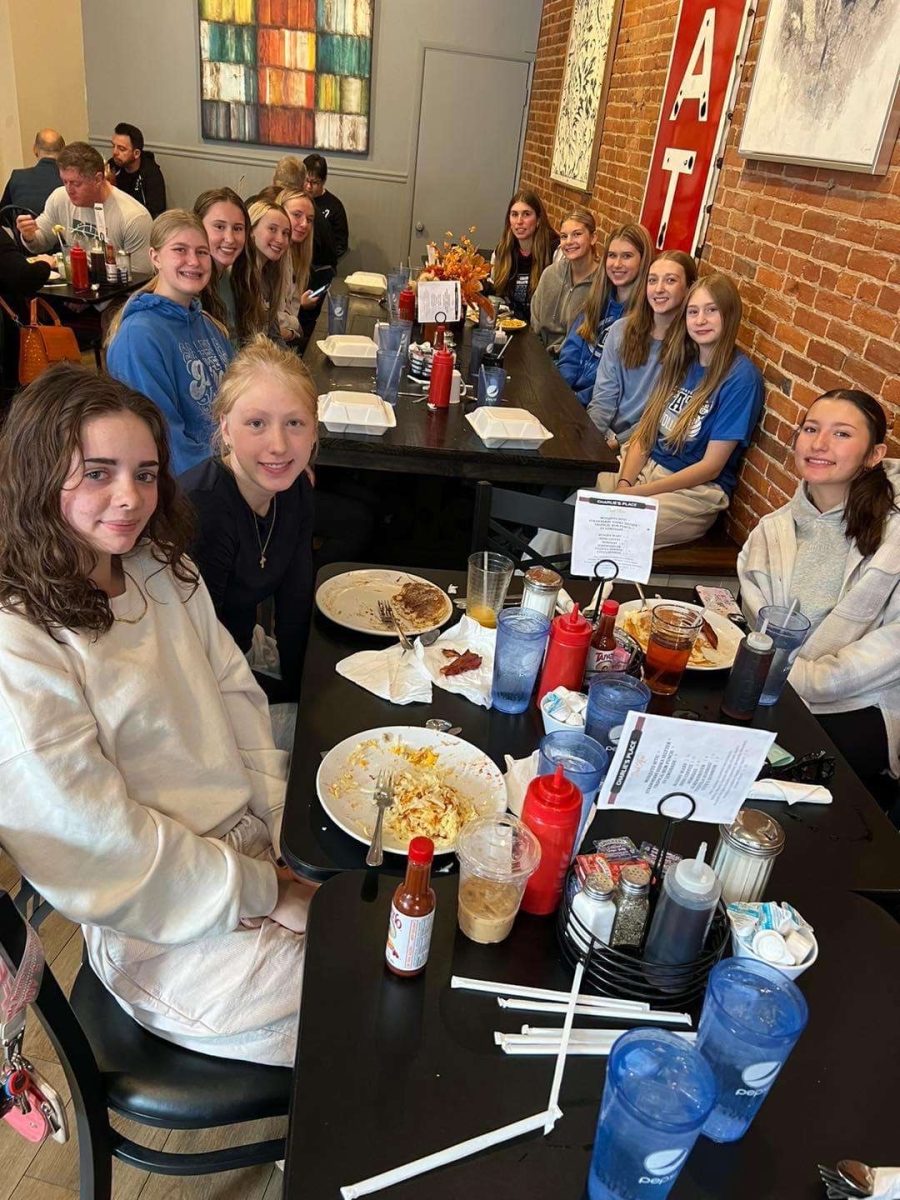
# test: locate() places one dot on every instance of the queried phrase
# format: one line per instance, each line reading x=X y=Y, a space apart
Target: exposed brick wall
x=815 y=253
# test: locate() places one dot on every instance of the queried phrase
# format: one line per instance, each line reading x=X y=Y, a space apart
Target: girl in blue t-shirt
x=626 y=259
x=698 y=421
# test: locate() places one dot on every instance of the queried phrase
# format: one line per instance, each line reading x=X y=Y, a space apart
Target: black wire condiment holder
x=625 y=972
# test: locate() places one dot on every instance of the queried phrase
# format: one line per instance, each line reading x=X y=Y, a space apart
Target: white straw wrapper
x=519 y=989
x=589 y=1010
x=553 y=1102
x=419 y=1166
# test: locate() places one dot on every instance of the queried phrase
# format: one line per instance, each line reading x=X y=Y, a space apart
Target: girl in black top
x=255 y=504
x=525 y=250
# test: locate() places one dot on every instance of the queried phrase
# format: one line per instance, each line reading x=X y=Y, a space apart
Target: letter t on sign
x=676 y=162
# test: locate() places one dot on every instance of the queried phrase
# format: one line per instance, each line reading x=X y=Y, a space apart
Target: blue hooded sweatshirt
x=176 y=356
x=578 y=359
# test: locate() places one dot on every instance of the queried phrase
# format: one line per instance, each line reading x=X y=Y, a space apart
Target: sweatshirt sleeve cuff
x=259 y=892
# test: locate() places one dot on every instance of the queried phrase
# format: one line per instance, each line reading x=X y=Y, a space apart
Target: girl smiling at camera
x=563 y=289
x=270 y=239
x=232 y=295
x=525 y=250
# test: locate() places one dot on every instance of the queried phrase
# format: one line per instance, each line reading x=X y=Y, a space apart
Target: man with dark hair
x=326 y=202
x=134 y=170
x=29 y=187
x=71 y=207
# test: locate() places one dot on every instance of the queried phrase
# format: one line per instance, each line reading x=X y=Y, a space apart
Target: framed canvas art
x=825 y=90
x=287 y=72
x=592 y=37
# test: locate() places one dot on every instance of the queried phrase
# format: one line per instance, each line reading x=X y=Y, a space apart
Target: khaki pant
x=683 y=515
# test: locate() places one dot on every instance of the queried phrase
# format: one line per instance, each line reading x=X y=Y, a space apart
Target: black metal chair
x=110 y=1062
x=506 y=521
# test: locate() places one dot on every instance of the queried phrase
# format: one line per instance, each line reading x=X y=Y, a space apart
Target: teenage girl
x=163 y=344
x=140 y=791
x=255 y=504
x=630 y=362
x=835 y=548
x=270 y=241
x=698 y=421
x=524 y=252
x=563 y=289
x=232 y=294
x=626 y=257
x=300 y=304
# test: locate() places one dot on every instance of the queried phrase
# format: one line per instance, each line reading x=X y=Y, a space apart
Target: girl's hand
x=308 y=300
x=286 y=334
x=292 y=906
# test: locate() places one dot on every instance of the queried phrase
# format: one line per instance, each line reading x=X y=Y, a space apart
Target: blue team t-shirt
x=728 y=415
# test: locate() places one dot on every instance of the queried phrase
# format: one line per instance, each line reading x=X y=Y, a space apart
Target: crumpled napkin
x=466 y=634
x=789 y=792
x=519 y=773
x=565 y=603
x=887 y=1183
x=392 y=674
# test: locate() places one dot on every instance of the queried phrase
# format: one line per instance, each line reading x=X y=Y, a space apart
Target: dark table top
x=444 y=443
x=63 y=290
x=390 y=1069
x=847 y=844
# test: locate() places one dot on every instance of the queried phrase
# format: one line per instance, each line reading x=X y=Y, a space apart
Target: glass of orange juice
x=488 y=582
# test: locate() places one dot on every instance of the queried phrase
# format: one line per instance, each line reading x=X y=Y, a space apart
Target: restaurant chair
x=506 y=522
x=111 y=1062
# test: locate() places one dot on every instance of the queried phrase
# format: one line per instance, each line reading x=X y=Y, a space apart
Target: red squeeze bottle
x=406 y=305
x=552 y=811
x=441 y=373
x=80 y=279
x=570 y=638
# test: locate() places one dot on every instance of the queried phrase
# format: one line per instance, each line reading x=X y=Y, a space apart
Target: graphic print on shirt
x=676 y=407
x=86 y=229
x=205 y=368
x=603 y=329
x=520 y=288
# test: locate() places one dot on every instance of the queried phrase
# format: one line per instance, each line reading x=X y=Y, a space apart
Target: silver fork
x=384 y=798
x=388 y=616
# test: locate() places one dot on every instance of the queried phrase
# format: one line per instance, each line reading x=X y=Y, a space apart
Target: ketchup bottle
x=441 y=373
x=552 y=811
x=412 y=913
x=406 y=305
x=79 y=270
x=570 y=637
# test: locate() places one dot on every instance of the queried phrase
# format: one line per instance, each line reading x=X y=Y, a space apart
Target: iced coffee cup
x=497 y=854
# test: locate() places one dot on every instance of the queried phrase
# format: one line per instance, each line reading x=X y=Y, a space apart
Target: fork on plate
x=384 y=798
x=389 y=618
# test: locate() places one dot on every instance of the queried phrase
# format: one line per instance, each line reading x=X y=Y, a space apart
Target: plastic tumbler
x=584 y=762
x=388 y=364
x=673 y=631
x=486 y=586
x=395 y=336
x=518 y=652
x=658 y=1093
x=490 y=384
x=788 y=633
x=482 y=339
x=497 y=856
x=611 y=696
x=396 y=282
x=751 y=1020
x=338 y=309
x=486 y=321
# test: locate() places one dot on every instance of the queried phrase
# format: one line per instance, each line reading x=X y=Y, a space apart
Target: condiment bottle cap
x=755 y=833
x=421 y=851
x=572 y=621
x=760 y=641
x=556 y=789
x=599 y=885
x=694 y=875
x=609 y=608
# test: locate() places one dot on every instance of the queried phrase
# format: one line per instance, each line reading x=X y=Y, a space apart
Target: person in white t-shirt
x=71 y=206
x=140 y=791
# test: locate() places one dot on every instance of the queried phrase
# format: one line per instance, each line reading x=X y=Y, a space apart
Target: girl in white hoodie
x=836 y=549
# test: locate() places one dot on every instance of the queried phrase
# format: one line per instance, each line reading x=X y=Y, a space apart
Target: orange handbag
x=40 y=346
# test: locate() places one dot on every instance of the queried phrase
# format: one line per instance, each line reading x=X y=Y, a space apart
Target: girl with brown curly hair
x=140 y=791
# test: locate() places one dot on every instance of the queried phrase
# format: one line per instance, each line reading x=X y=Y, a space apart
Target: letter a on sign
x=696 y=86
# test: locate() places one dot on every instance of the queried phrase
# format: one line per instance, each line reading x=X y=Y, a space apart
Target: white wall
x=141 y=63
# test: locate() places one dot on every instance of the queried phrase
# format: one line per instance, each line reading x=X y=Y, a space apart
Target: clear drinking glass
x=518 y=652
x=673 y=631
x=788 y=633
x=486 y=587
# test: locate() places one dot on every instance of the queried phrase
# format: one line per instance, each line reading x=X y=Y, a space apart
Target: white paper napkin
x=887 y=1183
x=790 y=793
x=565 y=603
x=465 y=635
x=391 y=674
x=519 y=773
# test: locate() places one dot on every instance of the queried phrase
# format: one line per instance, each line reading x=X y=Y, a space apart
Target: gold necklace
x=263 y=546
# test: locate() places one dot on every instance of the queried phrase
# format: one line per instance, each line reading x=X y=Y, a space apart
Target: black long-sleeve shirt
x=228 y=552
x=336 y=215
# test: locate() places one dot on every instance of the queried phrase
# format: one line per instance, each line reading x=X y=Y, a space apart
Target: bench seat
x=715 y=555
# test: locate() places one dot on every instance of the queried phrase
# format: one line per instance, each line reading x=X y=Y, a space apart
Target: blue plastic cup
x=491 y=381
x=395 y=336
x=482 y=340
x=485 y=321
x=519 y=650
x=396 y=282
x=788 y=634
x=338 y=309
x=657 y=1095
x=388 y=365
x=611 y=696
x=751 y=1020
x=584 y=762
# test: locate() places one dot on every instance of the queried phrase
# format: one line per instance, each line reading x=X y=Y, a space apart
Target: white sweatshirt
x=124 y=756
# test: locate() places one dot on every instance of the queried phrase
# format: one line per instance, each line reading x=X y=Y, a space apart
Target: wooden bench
x=715 y=555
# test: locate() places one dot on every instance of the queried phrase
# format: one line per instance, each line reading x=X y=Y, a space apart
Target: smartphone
x=318 y=292
x=721 y=600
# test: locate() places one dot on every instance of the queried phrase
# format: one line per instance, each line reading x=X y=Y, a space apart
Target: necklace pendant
x=262 y=562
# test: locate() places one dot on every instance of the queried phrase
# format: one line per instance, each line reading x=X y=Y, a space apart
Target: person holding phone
x=269 y=246
x=300 y=307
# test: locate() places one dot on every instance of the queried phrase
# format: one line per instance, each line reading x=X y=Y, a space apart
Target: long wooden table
x=444 y=443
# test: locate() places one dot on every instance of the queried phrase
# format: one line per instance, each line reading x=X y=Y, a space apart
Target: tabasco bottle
x=602 y=651
x=412 y=913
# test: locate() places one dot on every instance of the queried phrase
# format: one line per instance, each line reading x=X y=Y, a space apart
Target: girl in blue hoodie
x=163 y=344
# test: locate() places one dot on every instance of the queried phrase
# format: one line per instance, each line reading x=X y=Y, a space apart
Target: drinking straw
x=553 y=1102
x=764 y=626
x=505 y=348
x=536 y=993
x=790 y=612
x=658 y=1016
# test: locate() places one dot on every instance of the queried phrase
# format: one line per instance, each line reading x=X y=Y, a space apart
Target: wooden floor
x=50 y=1172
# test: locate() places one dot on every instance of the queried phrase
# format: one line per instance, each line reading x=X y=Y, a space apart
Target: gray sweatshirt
x=556 y=303
x=620 y=395
x=822 y=550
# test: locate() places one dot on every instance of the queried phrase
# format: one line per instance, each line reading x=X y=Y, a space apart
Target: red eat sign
x=703 y=71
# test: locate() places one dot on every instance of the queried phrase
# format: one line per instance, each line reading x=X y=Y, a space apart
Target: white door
x=470 y=129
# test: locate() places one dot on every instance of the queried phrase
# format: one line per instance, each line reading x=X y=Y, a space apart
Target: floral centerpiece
x=460 y=260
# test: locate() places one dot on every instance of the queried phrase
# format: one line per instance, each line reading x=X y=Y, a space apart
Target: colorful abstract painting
x=287 y=72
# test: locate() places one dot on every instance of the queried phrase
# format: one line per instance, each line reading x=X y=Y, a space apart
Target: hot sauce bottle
x=412 y=913
x=602 y=653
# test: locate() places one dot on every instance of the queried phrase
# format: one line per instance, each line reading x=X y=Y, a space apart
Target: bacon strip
x=467 y=661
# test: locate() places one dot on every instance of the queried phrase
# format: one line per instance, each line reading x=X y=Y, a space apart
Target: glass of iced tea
x=486 y=587
x=673 y=631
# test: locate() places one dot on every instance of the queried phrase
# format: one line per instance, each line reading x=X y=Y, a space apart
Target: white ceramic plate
x=729 y=635
x=346 y=779
x=352 y=599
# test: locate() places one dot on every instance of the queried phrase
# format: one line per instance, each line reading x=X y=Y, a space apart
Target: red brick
x=883 y=354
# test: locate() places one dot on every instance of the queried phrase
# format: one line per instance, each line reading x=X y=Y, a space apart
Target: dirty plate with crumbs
x=440 y=783
x=351 y=600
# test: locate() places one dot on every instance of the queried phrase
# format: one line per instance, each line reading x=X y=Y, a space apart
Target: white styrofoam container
x=356 y=412
x=366 y=283
x=349 y=350
x=508 y=428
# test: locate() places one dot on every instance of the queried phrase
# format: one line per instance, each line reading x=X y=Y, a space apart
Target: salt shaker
x=746 y=853
x=593 y=911
x=540 y=589
x=633 y=906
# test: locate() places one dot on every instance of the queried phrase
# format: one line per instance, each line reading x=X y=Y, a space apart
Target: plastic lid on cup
x=498 y=847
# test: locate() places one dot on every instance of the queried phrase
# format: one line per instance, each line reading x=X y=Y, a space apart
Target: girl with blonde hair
x=698 y=421
x=563 y=289
x=270 y=240
x=163 y=344
x=299 y=300
x=615 y=290
x=524 y=252
x=232 y=294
